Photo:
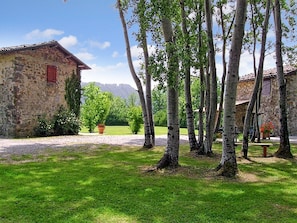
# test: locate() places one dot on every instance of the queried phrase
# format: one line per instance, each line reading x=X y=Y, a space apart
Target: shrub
x=44 y=127
x=160 y=118
x=118 y=112
x=65 y=122
x=134 y=118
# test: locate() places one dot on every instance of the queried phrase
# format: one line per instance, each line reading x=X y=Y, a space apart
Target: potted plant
x=266 y=128
x=96 y=107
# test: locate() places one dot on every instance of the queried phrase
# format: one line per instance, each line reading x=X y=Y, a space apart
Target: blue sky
x=90 y=29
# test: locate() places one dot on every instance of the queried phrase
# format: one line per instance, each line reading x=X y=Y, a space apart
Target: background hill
x=118 y=90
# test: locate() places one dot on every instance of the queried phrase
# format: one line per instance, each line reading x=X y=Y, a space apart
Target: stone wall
x=29 y=93
x=292 y=103
x=244 y=90
x=270 y=107
x=239 y=116
x=7 y=102
x=270 y=103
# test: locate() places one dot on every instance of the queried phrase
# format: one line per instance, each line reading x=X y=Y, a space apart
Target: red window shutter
x=51 y=74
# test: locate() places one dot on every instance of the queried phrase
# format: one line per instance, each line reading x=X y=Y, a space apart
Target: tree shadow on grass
x=106 y=184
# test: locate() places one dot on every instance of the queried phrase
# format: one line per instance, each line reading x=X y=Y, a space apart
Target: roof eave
x=53 y=43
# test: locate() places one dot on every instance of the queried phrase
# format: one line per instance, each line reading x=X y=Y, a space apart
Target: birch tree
x=171 y=154
x=225 y=20
x=228 y=164
x=259 y=76
x=148 y=139
x=212 y=108
x=202 y=61
x=284 y=150
x=187 y=86
x=142 y=37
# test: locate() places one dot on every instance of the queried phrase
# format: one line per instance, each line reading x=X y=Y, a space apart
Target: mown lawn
x=102 y=183
x=125 y=130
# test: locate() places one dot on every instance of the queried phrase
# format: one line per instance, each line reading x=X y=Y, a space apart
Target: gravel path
x=37 y=145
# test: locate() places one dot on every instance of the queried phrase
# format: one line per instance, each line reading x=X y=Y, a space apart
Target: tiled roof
x=270 y=73
x=52 y=43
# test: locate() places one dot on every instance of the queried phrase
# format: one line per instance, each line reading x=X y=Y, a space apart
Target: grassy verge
x=102 y=183
x=125 y=130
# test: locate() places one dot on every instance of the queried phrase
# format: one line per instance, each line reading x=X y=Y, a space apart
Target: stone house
x=269 y=111
x=32 y=83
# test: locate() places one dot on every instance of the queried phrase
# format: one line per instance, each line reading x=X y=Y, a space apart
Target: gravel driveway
x=37 y=145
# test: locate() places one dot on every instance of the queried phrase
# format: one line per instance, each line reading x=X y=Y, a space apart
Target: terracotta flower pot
x=266 y=135
x=101 y=128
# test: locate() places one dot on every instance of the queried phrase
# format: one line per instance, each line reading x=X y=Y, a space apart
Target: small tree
x=96 y=107
x=73 y=93
x=134 y=118
x=118 y=112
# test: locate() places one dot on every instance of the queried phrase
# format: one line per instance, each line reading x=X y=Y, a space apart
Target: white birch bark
x=212 y=109
x=171 y=155
x=228 y=164
x=147 y=133
x=284 y=150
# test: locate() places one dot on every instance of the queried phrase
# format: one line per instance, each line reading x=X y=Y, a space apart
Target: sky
x=89 y=29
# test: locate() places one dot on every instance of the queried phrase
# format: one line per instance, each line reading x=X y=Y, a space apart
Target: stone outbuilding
x=269 y=111
x=32 y=83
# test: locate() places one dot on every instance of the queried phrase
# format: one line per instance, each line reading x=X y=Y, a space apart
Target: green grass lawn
x=102 y=183
x=125 y=130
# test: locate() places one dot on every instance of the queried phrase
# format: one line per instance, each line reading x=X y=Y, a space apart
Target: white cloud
x=271 y=34
x=246 y=63
x=85 y=56
x=115 y=54
x=68 y=41
x=247 y=66
x=137 y=51
x=46 y=34
x=100 y=45
x=112 y=74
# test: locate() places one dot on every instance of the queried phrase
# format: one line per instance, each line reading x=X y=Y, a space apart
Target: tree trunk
x=147 y=140
x=171 y=155
x=201 y=150
x=187 y=69
x=225 y=37
x=148 y=88
x=228 y=164
x=212 y=109
x=200 y=114
x=284 y=150
x=257 y=84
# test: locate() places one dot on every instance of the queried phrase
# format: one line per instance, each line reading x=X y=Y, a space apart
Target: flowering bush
x=44 y=127
x=267 y=127
x=64 y=122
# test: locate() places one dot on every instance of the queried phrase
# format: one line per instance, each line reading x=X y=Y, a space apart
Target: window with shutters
x=266 y=88
x=51 y=74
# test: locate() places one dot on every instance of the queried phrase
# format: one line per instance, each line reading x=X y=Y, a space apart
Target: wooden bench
x=264 y=145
